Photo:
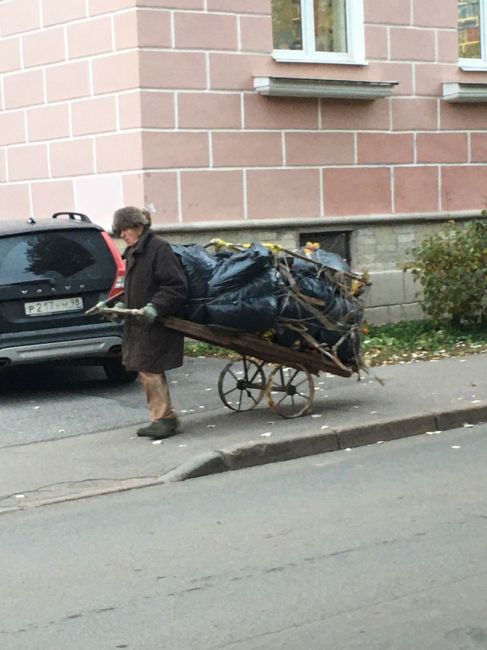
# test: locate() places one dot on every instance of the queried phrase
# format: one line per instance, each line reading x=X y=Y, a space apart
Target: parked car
x=51 y=272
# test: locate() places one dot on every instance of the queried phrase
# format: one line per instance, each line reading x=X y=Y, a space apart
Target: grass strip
x=419 y=340
x=388 y=344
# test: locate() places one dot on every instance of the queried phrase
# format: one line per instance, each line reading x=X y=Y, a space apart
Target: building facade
x=357 y=123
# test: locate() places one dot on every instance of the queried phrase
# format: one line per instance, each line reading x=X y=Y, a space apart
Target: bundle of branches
x=306 y=299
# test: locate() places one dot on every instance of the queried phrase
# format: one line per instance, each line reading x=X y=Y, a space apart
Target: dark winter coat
x=154 y=275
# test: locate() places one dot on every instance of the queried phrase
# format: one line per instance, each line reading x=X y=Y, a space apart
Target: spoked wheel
x=290 y=391
x=241 y=384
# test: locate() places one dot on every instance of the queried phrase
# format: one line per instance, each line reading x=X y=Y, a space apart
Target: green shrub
x=451 y=266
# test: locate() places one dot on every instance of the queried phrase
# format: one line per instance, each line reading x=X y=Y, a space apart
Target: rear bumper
x=105 y=346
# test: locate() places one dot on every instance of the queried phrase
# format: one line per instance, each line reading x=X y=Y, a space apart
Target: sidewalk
x=416 y=398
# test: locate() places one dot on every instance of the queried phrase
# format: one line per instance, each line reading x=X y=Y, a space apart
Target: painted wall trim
x=465 y=92
x=333 y=88
x=318 y=223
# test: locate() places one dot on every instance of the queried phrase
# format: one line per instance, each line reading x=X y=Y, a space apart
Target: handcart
x=243 y=382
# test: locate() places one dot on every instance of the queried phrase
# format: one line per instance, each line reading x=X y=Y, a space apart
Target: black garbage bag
x=349 y=348
x=311 y=282
x=337 y=306
x=343 y=310
x=240 y=269
x=198 y=265
x=326 y=258
x=331 y=260
x=222 y=255
x=252 y=308
x=347 y=351
x=309 y=285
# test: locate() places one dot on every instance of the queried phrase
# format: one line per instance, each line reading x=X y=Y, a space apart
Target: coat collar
x=139 y=247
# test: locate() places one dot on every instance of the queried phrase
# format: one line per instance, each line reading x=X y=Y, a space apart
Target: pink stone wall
x=106 y=102
x=68 y=72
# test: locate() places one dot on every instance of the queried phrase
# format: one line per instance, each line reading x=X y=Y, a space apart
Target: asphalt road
x=47 y=402
x=378 y=548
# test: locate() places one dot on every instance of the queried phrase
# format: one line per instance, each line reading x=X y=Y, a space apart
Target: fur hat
x=128 y=217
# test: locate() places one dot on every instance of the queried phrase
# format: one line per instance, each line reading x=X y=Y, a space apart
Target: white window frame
x=478 y=64
x=355 y=54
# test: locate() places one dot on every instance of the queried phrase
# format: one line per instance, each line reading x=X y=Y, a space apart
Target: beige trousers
x=157 y=393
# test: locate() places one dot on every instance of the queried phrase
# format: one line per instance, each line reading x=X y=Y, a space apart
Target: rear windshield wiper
x=50 y=281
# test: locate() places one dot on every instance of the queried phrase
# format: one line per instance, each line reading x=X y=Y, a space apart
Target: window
x=472 y=37
x=53 y=256
x=332 y=241
x=318 y=31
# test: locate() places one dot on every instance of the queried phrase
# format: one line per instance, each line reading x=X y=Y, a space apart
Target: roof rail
x=76 y=216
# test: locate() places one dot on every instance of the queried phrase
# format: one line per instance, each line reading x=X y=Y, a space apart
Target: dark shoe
x=163 y=428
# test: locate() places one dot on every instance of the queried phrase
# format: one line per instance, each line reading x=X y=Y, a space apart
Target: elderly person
x=156 y=283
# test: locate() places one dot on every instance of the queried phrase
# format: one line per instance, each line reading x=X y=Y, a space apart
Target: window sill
x=472 y=65
x=465 y=92
x=290 y=56
x=330 y=88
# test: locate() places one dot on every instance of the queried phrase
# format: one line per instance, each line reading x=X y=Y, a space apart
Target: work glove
x=99 y=308
x=149 y=312
x=120 y=305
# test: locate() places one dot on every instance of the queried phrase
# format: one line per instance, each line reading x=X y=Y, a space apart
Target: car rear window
x=66 y=254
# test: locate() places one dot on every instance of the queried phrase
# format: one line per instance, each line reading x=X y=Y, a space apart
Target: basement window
x=333 y=241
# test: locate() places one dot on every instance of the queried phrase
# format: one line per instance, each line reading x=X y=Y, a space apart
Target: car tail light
x=120 y=270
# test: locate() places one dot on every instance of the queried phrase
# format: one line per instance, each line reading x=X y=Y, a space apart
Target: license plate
x=60 y=305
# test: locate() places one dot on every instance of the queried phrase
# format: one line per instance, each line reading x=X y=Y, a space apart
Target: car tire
x=116 y=372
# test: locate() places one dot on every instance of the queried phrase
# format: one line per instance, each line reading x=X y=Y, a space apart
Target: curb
x=252 y=454
x=124 y=485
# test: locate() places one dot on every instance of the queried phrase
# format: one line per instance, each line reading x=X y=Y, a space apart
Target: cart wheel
x=290 y=391
x=241 y=384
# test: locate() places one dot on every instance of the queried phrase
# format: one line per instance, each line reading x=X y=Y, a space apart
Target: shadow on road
x=48 y=377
